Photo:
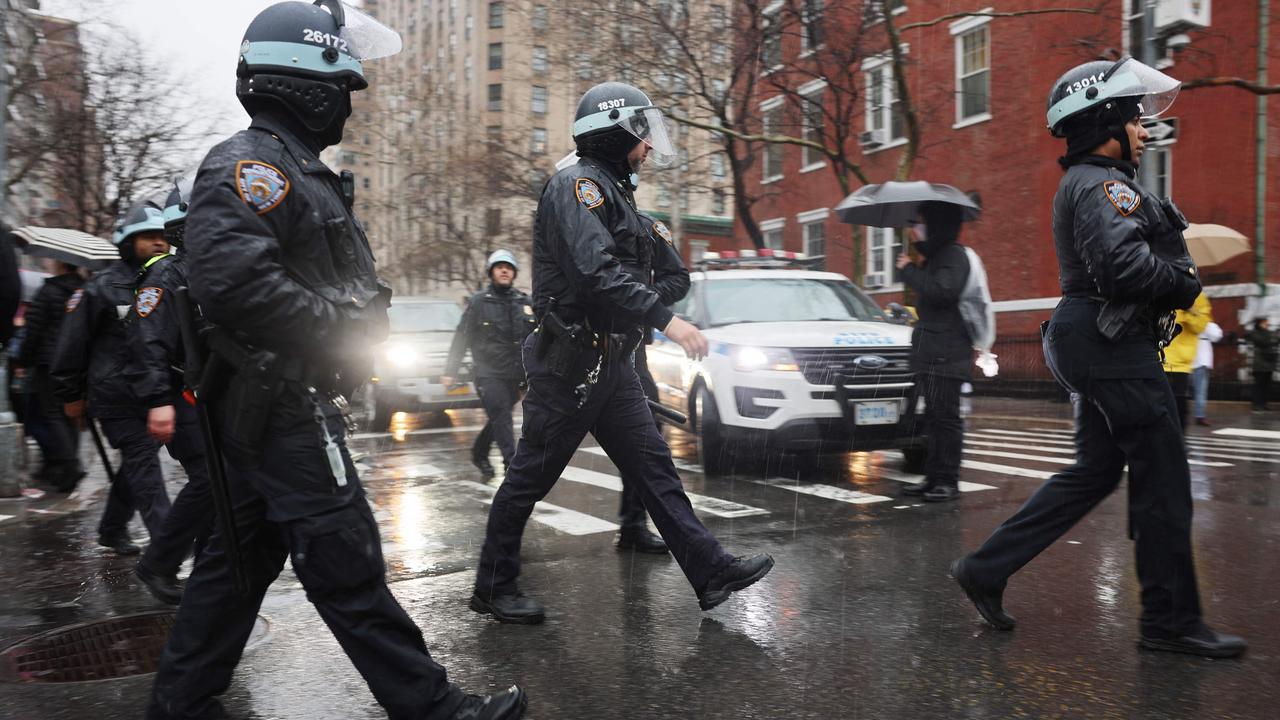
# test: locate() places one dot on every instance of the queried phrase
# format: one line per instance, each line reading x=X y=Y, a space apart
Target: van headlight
x=401 y=356
x=751 y=359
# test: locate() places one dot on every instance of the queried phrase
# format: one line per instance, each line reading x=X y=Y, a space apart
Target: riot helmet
x=501 y=256
x=1092 y=102
x=614 y=117
x=305 y=58
x=175 y=209
x=143 y=217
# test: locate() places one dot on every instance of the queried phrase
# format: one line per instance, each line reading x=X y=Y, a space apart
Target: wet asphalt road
x=857 y=620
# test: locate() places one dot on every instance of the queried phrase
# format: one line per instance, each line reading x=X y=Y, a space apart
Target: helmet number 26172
x=324 y=38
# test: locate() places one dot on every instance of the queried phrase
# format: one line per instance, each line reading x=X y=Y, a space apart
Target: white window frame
x=540 y=62
x=959 y=30
x=1128 y=18
x=879 y=16
x=814 y=87
x=890 y=260
x=808 y=219
x=889 y=87
x=773 y=225
x=807 y=47
x=773 y=104
x=535 y=104
x=774 y=9
x=1165 y=189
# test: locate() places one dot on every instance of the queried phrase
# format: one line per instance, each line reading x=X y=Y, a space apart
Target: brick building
x=979 y=87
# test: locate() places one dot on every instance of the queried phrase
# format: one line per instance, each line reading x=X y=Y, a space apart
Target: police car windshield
x=424 y=317
x=756 y=300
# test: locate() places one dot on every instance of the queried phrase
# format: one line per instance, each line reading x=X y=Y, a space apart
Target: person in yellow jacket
x=1181 y=353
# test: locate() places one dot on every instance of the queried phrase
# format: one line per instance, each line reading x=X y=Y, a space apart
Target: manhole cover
x=103 y=650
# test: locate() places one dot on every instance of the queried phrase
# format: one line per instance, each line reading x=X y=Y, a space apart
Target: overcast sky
x=199 y=39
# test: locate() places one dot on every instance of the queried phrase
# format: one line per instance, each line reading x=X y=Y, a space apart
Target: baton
x=102 y=450
x=666 y=414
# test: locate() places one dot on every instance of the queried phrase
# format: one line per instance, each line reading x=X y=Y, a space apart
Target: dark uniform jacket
x=588 y=252
x=1266 y=348
x=278 y=257
x=92 y=349
x=154 y=333
x=667 y=273
x=494 y=326
x=1117 y=242
x=44 y=318
x=940 y=344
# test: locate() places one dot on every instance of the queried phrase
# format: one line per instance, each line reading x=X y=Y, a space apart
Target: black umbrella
x=69 y=246
x=897 y=204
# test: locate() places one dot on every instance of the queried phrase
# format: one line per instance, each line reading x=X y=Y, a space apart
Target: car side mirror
x=897 y=314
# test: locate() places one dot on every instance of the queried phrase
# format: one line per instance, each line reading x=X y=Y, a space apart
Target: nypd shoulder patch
x=588 y=193
x=261 y=186
x=147 y=300
x=661 y=230
x=73 y=302
x=1123 y=197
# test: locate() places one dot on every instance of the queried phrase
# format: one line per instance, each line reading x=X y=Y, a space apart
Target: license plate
x=875 y=413
x=460 y=390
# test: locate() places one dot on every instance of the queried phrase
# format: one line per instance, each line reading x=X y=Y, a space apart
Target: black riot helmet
x=175 y=209
x=1092 y=102
x=305 y=58
x=613 y=118
x=143 y=216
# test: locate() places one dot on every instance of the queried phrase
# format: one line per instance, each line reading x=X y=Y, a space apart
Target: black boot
x=120 y=543
x=516 y=608
x=1205 y=642
x=640 y=539
x=941 y=493
x=166 y=589
x=739 y=574
x=484 y=466
x=920 y=488
x=990 y=603
x=506 y=705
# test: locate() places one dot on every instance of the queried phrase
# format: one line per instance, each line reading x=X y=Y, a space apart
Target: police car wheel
x=913 y=459
x=713 y=451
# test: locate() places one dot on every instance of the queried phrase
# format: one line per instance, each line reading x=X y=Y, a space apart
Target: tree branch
x=993 y=14
x=1236 y=82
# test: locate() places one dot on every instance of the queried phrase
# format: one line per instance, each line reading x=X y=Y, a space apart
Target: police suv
x=799 y=360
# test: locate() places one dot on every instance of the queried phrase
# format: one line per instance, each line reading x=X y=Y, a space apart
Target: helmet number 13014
x=324 y=38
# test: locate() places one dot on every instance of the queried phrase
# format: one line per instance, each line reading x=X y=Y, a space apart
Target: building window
x=717 y=164
x=493 y=134
x=717 y=202
x=884 y=245
x=813 y=230
x=467 y=24
x=771 y=43
x=495 y=56
x=811 y=113
x=539 y=62
x=697 y=250
x=539 y=20
x=538 y=144
x=884 y=116
x=770 y=124
x=771 y=232
x=874 y=10
x=1161 y=159
x=495 y=97
x=539 y=104
x=717 y=18
x=495 y=14
x=973 y=69
x=811 y=37
x=492 y=221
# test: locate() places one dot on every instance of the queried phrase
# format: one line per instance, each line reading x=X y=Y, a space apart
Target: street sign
x=1163 y=131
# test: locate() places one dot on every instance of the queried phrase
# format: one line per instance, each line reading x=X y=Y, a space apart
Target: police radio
x=348 y=187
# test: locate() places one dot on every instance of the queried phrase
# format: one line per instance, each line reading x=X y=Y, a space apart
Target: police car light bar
x=761 y=258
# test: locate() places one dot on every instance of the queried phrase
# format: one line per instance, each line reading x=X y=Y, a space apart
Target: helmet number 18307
x=613 y=104
x=324 y=38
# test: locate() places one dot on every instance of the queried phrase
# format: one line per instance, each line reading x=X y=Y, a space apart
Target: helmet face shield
x=1126 y=78
x=366 y=38
x=653 y=128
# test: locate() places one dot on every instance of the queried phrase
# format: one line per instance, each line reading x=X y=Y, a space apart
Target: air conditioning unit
x=872 y=139
x=1176 y=15
x=874 y=280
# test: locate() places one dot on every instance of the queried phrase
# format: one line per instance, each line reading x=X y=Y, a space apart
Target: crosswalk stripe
x=1248 y=433
x=559 y=518
x=680 y=464
x=701 y=503
x=829 y=492
x=7 y=517
x=965 y=485
x=1193 y=443
x=1005 y=469
x=1042 y=458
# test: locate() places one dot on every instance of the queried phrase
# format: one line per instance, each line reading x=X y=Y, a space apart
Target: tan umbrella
x=1213 y=244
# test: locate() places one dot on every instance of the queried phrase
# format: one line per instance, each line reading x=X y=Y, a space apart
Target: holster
x=250 y=392
x=568 y=351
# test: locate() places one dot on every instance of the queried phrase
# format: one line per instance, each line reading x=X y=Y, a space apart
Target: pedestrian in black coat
x=1266 y=347
x=941 y=349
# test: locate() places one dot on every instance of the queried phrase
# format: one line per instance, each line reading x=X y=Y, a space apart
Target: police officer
x=92 y=351
x=593 y=301
x=665 y=272
x=1123 y=268
x=154 y=336
x=494 y=326
x=282 y=269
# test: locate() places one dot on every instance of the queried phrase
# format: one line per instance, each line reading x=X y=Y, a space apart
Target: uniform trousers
x=498 y=396
x=139 y=481
x=631 y=512
x=190 y=519
x=288 y=504
x=617 y=414
x=1124 y=414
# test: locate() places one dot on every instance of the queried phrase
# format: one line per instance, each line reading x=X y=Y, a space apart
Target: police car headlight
x=750 y=359
x=402 y=355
